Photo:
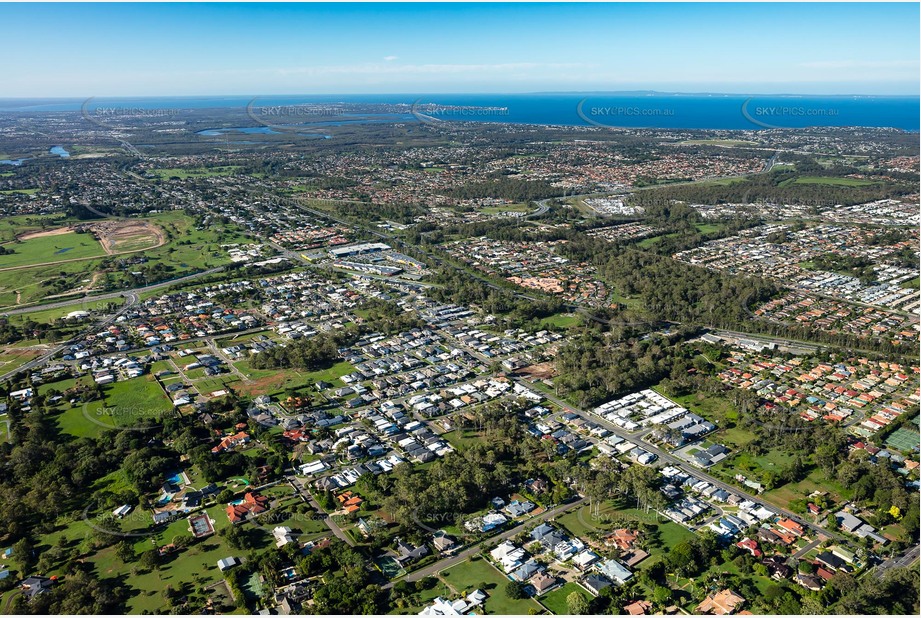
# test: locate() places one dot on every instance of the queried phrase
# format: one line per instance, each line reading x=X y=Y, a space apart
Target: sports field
x=904 y=440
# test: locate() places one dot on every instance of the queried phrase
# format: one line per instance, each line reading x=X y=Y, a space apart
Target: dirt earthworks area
x=125 y=235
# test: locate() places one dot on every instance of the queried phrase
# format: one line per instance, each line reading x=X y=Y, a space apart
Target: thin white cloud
x=391 y=58
x=860 y=64
x=422 y=69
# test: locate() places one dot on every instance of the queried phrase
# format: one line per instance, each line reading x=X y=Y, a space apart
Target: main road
x=908 y=557
x=113 y=295
x=130 y=300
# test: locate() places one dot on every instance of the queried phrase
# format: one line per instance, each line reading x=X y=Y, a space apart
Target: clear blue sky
x=68 y=50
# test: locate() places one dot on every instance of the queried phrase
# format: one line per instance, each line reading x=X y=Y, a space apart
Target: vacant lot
x=127 y=403
x=12 y=358
x=470 y=575
x=827 y=180
x=193 y=172
x=51 y=248
x=718 y=142
x=275 y=381
x=555 y=600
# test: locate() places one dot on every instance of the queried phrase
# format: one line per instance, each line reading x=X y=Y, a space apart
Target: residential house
x=35 y=585
x=809 y=581
x=543 y=582
x=251 y=505
x=595 y=583
x=791 y=526
x=230 y=442
x=777 y=568
x=407 y=553
x=638 y=608
x=848 y=522
x=614 y=571
x=750 y=545
x=282 y=535
x=443 y=542
x=527 y=570
x=623 y=538
x=722 y=603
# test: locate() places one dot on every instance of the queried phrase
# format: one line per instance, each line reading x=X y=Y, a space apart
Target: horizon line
x=491 y=93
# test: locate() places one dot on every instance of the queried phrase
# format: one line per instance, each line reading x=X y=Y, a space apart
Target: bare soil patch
x=540 y=371
x=43 y=233
x=125 y=236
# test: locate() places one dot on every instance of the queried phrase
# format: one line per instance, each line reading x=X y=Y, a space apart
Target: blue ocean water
x=629 y=109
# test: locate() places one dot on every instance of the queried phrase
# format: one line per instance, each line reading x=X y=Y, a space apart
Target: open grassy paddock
x=827 y=180
x=165 y=173
x=45 y=249
x=717 y=142
x=471 y=574
x=555 y=600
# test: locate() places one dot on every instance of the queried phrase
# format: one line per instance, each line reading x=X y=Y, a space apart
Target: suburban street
x=450 y=561
x=131 y=299
x=679 y=463
x=308 y=498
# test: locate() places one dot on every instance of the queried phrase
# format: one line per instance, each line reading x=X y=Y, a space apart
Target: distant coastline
x=629 y=109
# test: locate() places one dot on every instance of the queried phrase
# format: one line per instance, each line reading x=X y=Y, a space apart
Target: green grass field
x=37 y=283
x=461 y=439
x=555 y=600
x=275 y=382
x=712 y=407
x=652 y=241
x=189 y=248
x=722 y=182
x=194 y=172
x=195 y=565
x=46 y=249
x=582 y=521
x=32 y=191
x=827 y=180
x=708 y=228
x=127 y=403
x=46 y=316
x=468 y=575
x=492 y=210
x=12 y=358
x=561 y=320
x=717 y=142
